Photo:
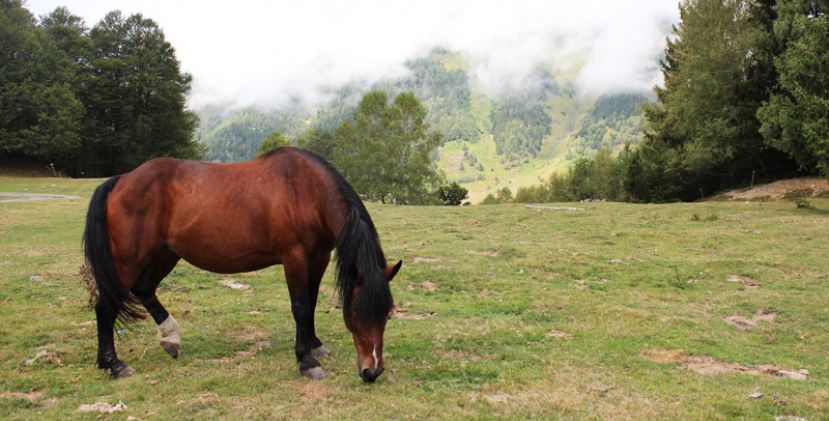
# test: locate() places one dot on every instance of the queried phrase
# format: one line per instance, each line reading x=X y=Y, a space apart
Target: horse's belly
x=225 y=252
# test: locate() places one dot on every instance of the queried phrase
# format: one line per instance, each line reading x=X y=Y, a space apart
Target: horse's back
x=227 y=217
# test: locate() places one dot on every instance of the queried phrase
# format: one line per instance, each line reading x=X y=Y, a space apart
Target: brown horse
x=288 y=207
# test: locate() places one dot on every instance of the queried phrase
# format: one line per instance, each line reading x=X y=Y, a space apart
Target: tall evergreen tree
x=796 y=118
x=136 y=96
x=39 y=113
x=702 y=134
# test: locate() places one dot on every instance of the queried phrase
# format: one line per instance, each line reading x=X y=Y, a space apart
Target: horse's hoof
x=172 y=348
x=120 y=371
x=316 y=373
x=320 y=351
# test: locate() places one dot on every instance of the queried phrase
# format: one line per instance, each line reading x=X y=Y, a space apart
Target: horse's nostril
x=369 y=376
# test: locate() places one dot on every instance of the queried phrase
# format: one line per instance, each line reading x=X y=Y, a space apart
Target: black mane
x=358 y=252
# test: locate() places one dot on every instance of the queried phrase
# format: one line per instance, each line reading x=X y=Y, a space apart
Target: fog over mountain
x=264 y=53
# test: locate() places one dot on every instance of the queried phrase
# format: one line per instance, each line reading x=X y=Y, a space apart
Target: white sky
x=264 y=52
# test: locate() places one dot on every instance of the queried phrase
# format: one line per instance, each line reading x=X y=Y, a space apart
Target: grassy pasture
x=509 y=312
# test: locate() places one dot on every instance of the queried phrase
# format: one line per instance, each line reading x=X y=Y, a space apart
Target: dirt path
x=31 y=197
x=805 y=187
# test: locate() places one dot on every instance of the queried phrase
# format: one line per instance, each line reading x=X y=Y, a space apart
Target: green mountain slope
x=489 y=142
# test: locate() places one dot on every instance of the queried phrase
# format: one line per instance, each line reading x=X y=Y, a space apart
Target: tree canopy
x=94 y=101
x=796 y=118
x=385 y=150
x=272 y=141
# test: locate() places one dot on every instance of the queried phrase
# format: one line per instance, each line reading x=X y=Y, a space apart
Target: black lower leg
x=107 y=359
x=304 y=335
x=313 y=340
x=156 y=310
x=316 y=269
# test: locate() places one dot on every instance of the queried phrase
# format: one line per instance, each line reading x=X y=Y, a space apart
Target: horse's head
x=366 y=317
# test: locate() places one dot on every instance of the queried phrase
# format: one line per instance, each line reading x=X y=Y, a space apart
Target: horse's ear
x=392 y=270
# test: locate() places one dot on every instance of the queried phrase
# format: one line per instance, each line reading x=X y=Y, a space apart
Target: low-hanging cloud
x=262 y=52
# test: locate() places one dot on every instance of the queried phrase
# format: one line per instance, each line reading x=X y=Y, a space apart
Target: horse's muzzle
x=369 y=375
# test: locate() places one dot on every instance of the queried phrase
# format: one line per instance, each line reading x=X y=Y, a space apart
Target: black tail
x=99 y=256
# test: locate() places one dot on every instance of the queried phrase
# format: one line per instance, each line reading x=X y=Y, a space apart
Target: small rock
x=36 y=278
x=38 y=355
x=103 y=407
x=230 y=283
x=755 y=395
x=792 y=374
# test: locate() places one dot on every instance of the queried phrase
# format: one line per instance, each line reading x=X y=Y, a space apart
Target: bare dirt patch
x=419 y=259
x=6 y=197
x=487 y=253
x=744 y=280
x=559 y=334
x=29 y=396
x=402 y=313
x=710 y=366
x=560 y=208
x=807 y=187
x=743 y=323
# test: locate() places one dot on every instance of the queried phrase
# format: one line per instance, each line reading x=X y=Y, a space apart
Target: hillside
x=490 y=141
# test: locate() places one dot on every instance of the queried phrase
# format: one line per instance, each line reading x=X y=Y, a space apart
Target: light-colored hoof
x=320 y=351
x=168 y=336
x=172 y=348
x=316 y=373
x=126 y=371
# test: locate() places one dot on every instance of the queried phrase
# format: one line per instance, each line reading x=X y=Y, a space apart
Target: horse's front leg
x=316 y=269
x=296 y=273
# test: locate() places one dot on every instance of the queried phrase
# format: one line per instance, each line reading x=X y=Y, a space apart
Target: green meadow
x=710 y=310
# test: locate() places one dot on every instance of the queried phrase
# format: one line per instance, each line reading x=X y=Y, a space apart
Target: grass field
x=617 y=311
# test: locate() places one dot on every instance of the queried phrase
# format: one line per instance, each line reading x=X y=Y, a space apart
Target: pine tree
x=40 y=115
x=702 y=134
x=796 y=118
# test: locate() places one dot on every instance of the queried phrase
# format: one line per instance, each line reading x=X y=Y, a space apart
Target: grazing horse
x=287 y=207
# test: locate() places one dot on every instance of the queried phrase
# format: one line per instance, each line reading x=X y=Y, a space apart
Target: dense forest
x=93 y=102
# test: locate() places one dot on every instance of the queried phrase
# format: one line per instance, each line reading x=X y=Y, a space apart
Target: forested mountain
x=543 y=122
x=237 y=136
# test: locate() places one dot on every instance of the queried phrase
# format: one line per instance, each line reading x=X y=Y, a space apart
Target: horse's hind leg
x=145 y=290
x=316 y=269
x=107 y=358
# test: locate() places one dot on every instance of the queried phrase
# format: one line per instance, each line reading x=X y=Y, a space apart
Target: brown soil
x=805 y=187
x=710 y=366
x=743 y=323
